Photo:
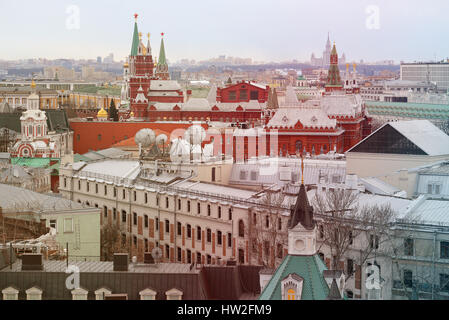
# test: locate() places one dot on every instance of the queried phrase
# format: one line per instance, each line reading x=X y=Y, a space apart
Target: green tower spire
x=162 y=66
x=136 y=41
x=333 y=78
x=162 y=59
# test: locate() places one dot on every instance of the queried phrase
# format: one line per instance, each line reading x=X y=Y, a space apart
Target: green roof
x=56 y=120
x=76 y=158
x=409 y=110
x=105 y=91
x=33 y=162
x=162 y=59
x=310 y=268
x=135 y=45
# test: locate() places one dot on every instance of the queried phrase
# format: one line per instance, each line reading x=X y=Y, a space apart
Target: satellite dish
x=145 y=137
x=156 y=253
x=161 y=139
x=195 y=134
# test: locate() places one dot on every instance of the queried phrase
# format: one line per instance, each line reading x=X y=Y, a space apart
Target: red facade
x=243 y=92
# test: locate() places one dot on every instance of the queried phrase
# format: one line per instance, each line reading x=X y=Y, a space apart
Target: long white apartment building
x=190 y=221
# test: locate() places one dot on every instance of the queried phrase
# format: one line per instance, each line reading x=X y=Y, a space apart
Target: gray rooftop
x=13 y=198
x=106 y=266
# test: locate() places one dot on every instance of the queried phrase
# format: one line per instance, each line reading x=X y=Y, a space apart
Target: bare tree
x=341 y=221
x=111 y=241
x=267 y=232
x=419 y=274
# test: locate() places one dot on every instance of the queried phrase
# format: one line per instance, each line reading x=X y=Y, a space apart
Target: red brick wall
x=151 y=228
x=112 y=132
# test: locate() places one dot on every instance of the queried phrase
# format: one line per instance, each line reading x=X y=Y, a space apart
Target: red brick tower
x=141 y=68
x=334 y=82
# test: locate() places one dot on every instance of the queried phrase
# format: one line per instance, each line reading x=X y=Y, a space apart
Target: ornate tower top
x=162 y=66
x=333 y=78
x=136 y=40
x=302 y=212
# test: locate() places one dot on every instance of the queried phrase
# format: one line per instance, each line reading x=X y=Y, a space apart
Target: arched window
x=291 y=294
x=241 y=229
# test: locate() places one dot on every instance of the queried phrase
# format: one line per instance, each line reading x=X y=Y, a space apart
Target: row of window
x=409 y=281
x=167 y=200
x=409 y=248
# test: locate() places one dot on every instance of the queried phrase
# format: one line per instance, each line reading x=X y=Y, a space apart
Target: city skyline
x=200 y=31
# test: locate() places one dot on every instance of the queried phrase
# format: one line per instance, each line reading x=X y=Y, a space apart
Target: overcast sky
x=269 y=30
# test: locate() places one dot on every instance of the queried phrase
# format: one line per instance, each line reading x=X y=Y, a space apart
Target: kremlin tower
x=139 y=71
x=162 y=66
x=334 y=82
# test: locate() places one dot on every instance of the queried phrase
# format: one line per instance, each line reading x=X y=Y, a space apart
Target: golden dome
x=102 y=113
x=131 y=114
x=33 y=84
x=126 y=65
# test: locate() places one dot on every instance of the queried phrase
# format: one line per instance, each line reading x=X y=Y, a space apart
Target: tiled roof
x=408 y=110
x=33 y=162
x=310 y=268
x=164 y=85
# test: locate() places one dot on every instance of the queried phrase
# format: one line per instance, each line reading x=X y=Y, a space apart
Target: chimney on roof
x=121 y=262
x=32 y=261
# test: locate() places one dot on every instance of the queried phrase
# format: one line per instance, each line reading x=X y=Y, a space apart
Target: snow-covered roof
x=164 y=85
x=124 y=169
x=342 y=104
x=377 y=186
x=313 y=118
x=196 y=104
x=425 y=135
x=216 y=189
x=281 y=171
x=13 y=198
x=164 y=106
x=427 y=211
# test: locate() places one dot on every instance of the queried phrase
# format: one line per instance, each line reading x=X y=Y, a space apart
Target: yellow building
x=92 y=101
x=17 y=97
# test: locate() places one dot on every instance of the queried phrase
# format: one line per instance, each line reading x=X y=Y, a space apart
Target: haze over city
x=263 y=30
x=248 y=151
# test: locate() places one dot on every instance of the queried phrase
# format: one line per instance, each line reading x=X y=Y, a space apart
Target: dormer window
x=292 y=287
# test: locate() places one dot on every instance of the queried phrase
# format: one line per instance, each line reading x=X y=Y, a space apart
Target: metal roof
x=269 y=171
x=310 y=268
x=13 y=198
x=425 y=135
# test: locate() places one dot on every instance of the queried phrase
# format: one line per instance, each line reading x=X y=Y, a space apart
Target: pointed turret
x=135 y=45
x=328 y=43
x=162 y=66
x=334 y=292
x=302 y=212
x=148 y=45
x=333 y=78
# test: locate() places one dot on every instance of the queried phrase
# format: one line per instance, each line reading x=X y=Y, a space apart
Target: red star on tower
x=135 y=16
